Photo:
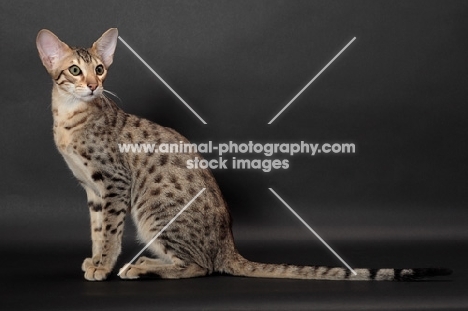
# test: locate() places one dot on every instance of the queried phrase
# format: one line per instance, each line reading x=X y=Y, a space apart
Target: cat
x=152 y=187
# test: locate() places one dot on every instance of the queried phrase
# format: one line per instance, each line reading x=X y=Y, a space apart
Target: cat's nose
x=92 y=86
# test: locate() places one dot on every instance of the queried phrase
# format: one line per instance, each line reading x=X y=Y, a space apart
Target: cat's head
x=77 y=72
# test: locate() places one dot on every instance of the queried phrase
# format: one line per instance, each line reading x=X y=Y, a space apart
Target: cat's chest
x=70 y=140
x=63 y=139
x=68 y=127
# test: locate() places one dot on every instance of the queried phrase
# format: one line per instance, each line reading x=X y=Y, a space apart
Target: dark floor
x=45 y=277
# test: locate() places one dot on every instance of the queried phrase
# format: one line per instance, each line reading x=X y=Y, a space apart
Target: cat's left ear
x=105 y=46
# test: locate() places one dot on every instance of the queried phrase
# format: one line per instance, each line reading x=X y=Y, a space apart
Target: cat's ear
x=51 y=49
x=105 y=46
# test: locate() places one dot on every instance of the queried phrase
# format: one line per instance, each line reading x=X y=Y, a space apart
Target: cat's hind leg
x=159 y=268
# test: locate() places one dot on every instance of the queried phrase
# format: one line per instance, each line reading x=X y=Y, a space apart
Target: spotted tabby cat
x=151 y=187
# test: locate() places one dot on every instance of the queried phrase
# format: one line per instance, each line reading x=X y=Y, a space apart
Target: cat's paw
x=93 y=271
x=130 y=272
x=143 y=260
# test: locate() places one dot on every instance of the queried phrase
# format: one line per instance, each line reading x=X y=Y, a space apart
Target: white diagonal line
x=313 y=231
x=316 y=76
x=160 y=232
x=162 y=80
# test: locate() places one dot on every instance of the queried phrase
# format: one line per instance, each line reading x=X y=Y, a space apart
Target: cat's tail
x=239 y=266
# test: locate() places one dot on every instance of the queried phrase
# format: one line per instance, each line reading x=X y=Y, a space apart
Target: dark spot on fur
x=158 y=178
x=142 y=183
x=117 y=213
x=85 y=155
x=135 y=198
x=169 y=194
x=163 y=159
x=156 y=191
x=184 y=221
x=145 y=134
x=222 y=232
x=373 y=273
x=97 y=176
x=178 y=162
x=173 y=178
x=151 y=169
x=155 y=205
x=124 y=121
x=136 y=158
x=116 y=179
x=95 y=207
x=190 y=177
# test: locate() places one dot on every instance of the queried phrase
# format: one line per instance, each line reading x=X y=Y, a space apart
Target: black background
x=398 y=92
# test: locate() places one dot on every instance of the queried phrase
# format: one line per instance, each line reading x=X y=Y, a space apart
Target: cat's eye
x=74 y=70
x=100 y=70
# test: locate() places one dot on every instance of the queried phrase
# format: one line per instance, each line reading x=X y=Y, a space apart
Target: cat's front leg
x=107 y=215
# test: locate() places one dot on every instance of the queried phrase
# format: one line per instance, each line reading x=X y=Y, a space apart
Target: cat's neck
x=65 y=104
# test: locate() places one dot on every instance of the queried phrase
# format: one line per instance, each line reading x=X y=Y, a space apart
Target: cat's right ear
x=50 y=48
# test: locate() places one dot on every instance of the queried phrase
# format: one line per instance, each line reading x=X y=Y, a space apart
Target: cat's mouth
x=90 y=95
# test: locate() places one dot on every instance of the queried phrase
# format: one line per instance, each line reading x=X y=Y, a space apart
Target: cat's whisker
x=112 y=93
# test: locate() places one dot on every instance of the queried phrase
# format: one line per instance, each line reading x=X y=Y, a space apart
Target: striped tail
x=240 y=266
